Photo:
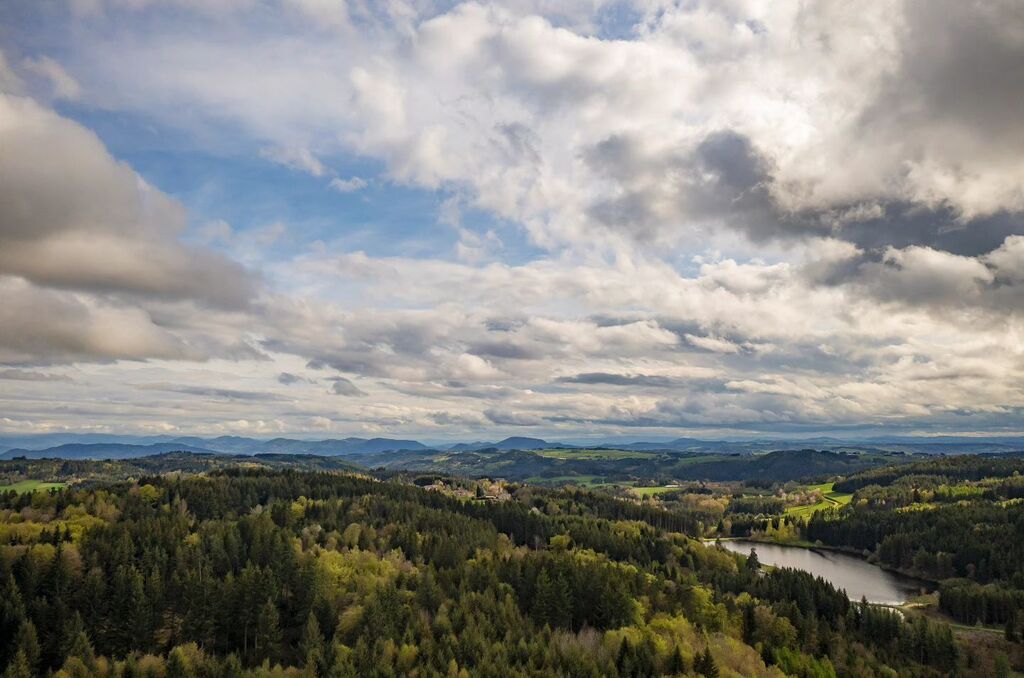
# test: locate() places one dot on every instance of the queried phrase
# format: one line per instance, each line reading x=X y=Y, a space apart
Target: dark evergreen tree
x=676 y=662
x=753 y=564
x=312 y=647
x=267 y=644
x=81 y=649
x=551 y=603
x=18 y=667
x=178 y=665
x=27 y=643
x=705 y=665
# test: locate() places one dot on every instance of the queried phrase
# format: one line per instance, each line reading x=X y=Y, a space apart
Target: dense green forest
x=957 y=520
x=85 y=471
x=556 y=467
x=253 y=571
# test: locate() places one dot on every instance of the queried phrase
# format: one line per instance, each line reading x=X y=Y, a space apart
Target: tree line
x=283 y=573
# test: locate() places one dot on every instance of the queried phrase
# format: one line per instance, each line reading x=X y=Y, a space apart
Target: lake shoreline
x=846 y=570
x=811 y=546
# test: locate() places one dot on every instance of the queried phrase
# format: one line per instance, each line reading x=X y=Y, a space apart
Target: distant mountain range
x=98 y=446
x=514 y=443
x=223 y=445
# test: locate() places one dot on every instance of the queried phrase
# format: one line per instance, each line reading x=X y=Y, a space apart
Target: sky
x=465 y=220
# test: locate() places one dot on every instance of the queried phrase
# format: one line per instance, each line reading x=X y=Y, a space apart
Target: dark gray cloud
x=41 y=326
x=738 y=171
x=723 y=177
x=932 y=278
x=211 y=392
x=89 y=251
x=72 y=217
x=961 y=72
x=647 y=381
x=726 y=180
x=31 y=375
x=454 y=389
x=503 y=324
x=355 y=363
x=652 y=380
x=512 y=418
x=505 y=349
x=903 y=224
x=345 y=387
x=656 y=381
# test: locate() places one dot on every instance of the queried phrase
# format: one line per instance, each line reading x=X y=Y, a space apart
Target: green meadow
x=24 y=486
x=593 y=455
x=830 y=499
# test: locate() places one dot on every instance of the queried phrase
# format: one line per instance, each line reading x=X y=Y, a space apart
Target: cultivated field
x=24 y=486
x=830 y=499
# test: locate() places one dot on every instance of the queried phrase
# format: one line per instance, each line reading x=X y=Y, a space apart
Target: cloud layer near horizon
x=735 y=216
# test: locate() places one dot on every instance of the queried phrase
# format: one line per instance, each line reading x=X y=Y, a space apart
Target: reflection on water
x=858 y=577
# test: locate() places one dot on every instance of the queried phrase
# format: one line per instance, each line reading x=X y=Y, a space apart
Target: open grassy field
x=650 y=491
x=30 y=486
x=830 y=499
x=584 y=480
x=700 y=459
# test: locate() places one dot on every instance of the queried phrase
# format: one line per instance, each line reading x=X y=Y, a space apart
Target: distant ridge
x=335 y=447
x=519 y=443
x=101 y=451
x=224 y=445
x=97 y=446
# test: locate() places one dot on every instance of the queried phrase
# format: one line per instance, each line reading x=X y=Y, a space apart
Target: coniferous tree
x=12 y=609
x=130 y=667
x=552 y=604
x=626 y=659
x=18 y=667
x=753 y=564
x=710 y=666
x=70 y=637
x=344 y=665
x=178 y=664
x=676 y=662
x=428 y=594
x=82 y=650
x=698 y=663
x=312 y=646
x=705 y=664
x=268 y=632
x=27 y=642
x=749 y=623
x=232 y=667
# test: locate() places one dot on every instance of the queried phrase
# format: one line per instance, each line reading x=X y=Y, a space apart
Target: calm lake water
x=858 y=577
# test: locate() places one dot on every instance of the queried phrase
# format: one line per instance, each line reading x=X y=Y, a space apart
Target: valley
x=669 y=518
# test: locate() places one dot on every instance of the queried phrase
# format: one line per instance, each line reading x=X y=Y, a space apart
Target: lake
x=858 y=577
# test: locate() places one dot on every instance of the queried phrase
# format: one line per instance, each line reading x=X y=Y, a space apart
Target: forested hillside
x=87 y=471
x=628 y=467
x=274 y=573
x=957 y=520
